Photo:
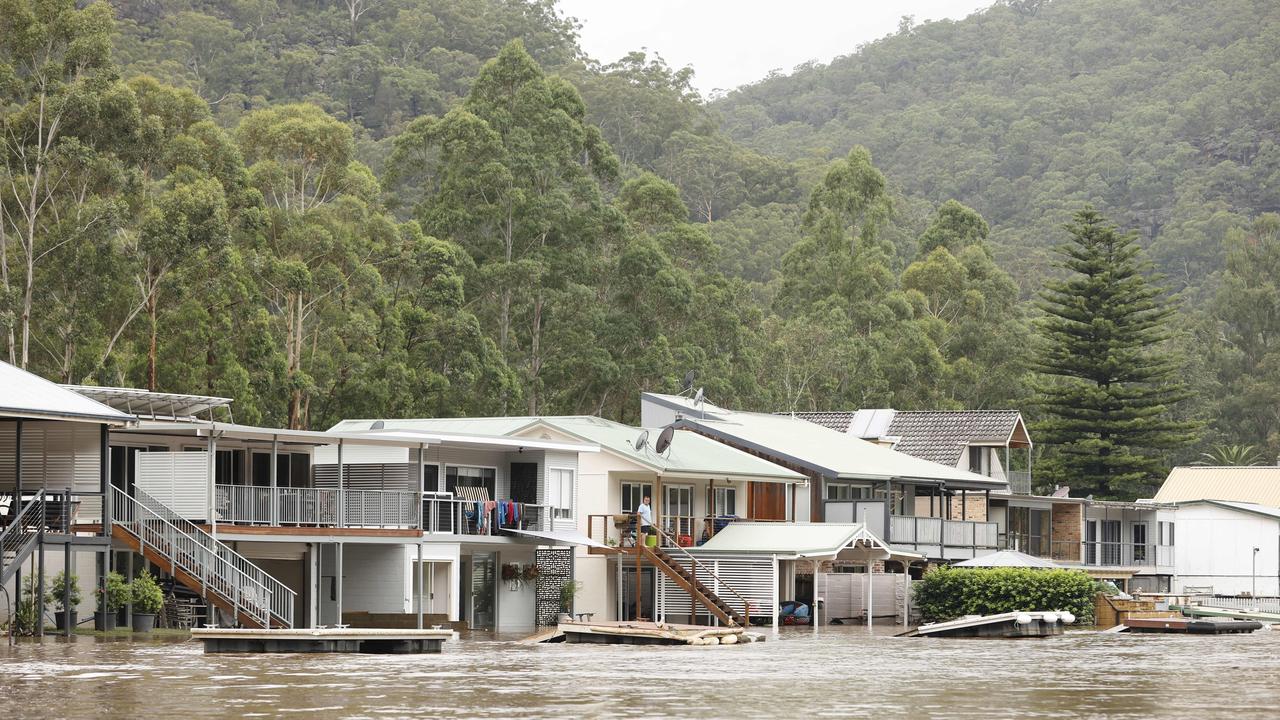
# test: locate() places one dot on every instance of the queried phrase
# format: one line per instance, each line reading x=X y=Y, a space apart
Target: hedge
x=947 y=593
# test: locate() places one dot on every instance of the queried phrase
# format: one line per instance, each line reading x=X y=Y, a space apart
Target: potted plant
x=25 y=621
x=567 y=591
x=65 y=617
x=530 y=573
x=148 y=598
x=112 y=598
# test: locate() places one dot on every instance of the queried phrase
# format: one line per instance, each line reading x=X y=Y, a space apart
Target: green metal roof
x=828 y=452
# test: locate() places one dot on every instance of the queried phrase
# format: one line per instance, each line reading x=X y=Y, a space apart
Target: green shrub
x=54 y=596
x=147 y=595
x=947 y=593
x=117 y=593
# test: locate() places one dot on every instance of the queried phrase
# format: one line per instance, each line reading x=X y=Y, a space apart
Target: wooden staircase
x=691 y=584
x=199 y=561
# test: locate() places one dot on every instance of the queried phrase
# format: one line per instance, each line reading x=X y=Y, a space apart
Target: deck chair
x=473 y=523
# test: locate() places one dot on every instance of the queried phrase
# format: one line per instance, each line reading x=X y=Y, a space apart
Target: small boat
x=1192 y=626
x=1004 y=625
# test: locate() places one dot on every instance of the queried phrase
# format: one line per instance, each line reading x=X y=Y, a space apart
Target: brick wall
x=974 y=506
x=1066 y=525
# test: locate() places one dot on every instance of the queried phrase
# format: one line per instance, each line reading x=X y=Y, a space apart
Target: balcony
x=1019 y=481
x=930 y=531
x=315 y=507
x=444 y=514
x=1126 y=554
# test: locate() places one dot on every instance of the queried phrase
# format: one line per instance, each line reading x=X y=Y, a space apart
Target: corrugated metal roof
x=798 y=539
x=830 y=453
x=689 y=453
x=25 y=395
x=137 y=401
x=1258 y=484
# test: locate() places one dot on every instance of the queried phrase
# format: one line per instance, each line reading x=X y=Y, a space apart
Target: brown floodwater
x=842 y=671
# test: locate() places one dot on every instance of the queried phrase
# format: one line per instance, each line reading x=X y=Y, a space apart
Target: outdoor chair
x=472 y=520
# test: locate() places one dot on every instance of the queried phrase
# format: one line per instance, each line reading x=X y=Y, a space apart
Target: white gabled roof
x=801 y=540
x=25 y=395
x=827 y=452
x=690 y=454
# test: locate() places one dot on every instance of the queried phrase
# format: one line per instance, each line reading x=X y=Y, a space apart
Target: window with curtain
x=456 y=476
x=560 y=492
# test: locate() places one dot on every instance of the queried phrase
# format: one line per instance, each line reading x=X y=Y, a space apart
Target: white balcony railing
x=1127 y=554
x=316 y=507
x=909 y=530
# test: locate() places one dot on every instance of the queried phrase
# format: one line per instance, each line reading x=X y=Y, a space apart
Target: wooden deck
x=322 y=640
x=650 y=633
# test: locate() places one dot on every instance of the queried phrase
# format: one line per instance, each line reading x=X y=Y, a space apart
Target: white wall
x=373 y=578
x=1213 y=546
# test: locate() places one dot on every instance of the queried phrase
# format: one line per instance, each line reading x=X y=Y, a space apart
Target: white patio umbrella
x=1008 y=558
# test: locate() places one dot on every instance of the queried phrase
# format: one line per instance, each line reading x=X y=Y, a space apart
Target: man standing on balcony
x=645 y=511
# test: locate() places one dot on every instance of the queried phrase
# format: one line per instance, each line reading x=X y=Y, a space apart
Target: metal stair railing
x=221 y=570
x=21 y=535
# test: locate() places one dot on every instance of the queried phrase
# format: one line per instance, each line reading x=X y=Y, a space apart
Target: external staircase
x=200 y=562
x=21 y=536
x=688 y=576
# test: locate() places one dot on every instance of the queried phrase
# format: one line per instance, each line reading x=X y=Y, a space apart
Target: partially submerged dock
x=1004 y=625
x=1191 y=626
x=646 y=633
x=322 y=640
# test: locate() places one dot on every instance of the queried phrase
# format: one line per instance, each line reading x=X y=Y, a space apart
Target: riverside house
x=698 y=487
x=914 y=505
x=295 y=528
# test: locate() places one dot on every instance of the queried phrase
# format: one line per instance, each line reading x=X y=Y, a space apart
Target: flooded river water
x=835 y=672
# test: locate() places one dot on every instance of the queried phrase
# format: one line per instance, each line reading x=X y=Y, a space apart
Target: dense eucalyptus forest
x=342 y=208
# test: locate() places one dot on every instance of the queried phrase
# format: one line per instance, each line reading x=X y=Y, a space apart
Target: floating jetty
x=1192 y=626
x=322 y=640
x=1004 y=625
x=1208 y=611
x=646 y=633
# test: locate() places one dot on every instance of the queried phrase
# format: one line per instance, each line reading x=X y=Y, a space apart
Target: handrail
x=16 y=536
x=216 y=565
x=746 y=605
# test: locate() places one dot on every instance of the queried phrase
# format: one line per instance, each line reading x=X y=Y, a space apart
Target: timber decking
x=322 y=640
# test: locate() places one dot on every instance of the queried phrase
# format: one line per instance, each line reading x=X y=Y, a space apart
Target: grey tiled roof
x=936 y=435
x=942 y=436
x=838 y=421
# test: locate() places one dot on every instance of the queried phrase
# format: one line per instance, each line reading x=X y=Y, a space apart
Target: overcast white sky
x=734 y=42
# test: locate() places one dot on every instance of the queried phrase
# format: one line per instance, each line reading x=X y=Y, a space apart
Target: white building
x=1227 y=548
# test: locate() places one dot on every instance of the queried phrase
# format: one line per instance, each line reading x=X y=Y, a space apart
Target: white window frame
x=561 y=496
x=717 y=504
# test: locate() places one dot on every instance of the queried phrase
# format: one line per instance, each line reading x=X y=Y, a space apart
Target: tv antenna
x=643 y=441
x=664 y=439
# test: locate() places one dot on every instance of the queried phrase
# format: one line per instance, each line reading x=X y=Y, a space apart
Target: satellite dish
x=664 y=439
x=377 y=425
x=687 y=384
x=643 y=440
x=699 y=397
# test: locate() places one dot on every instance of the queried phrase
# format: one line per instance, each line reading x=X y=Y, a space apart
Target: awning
x=845 y=541
x=561 y=537
x=1008 y=558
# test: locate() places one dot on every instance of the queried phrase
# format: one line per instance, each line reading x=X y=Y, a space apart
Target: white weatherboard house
x=1228 y=528
x=905 y=500
x=297 y=528
x=698 y=487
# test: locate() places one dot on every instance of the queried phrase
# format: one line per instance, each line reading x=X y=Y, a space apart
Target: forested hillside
x=1162 y=113
x=342 y=208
